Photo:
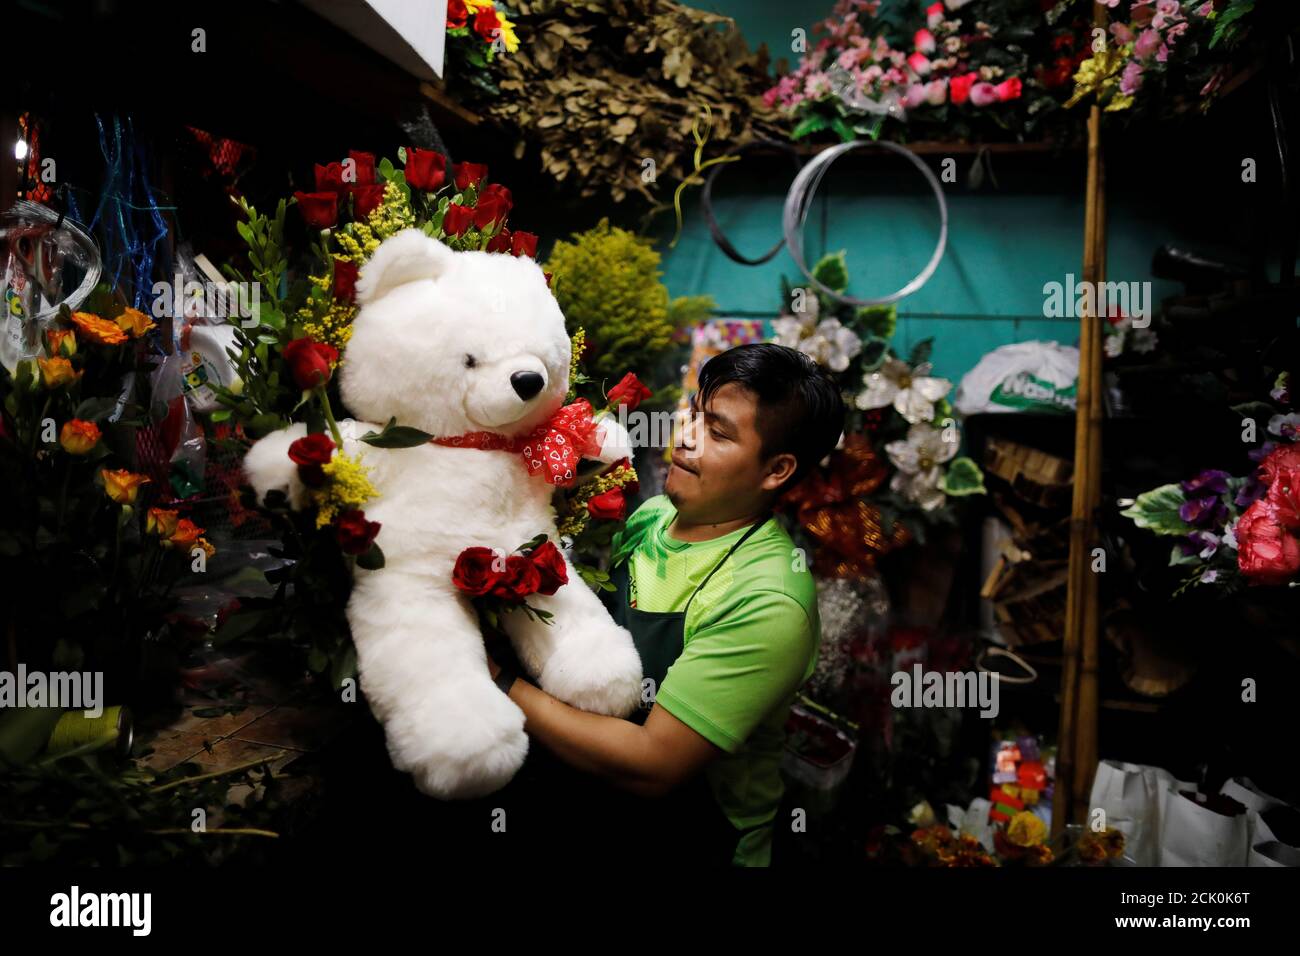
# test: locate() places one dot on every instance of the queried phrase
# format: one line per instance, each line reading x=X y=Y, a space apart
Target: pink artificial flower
x=983 y=94
x=1167 y=11
x=923 y=41
x=1162 y=54
x=1175 y=31
x=1147 y=44
x=1205 y=9
x=1131 y=79
x=1008 y=89
x=1212 y=84
x=961 y=87
x=1110 y=3
x=933 y=15
x=919 y=64
x=915 y=96
x=817 y=84
x=936 y=91
x=769 y=97
x=871 y=74
x=1121 y=33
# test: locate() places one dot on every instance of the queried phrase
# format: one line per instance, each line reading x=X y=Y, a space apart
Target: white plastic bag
x=1134 y=798
x=1022 y=377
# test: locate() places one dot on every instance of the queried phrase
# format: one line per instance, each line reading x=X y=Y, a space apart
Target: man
x=723 y=613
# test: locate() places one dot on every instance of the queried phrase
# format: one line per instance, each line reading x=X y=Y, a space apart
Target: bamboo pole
x=1077 y=751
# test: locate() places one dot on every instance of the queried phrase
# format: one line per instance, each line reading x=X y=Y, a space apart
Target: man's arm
x=648 y=760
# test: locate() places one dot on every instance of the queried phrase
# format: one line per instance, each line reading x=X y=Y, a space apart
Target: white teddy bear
x=451 y=343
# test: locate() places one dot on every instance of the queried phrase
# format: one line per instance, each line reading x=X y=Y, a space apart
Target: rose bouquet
x=287 y=360
x=92 y=540
x=477 y=33
x=895 y=404
x=1236 y=530
x=947 y=70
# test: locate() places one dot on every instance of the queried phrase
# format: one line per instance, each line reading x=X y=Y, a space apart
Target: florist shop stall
x=735 y=433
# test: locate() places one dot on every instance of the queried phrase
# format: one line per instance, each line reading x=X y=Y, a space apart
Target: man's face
x=718 y=472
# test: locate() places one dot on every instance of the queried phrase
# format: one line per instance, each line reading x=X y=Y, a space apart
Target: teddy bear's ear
x=401 y=258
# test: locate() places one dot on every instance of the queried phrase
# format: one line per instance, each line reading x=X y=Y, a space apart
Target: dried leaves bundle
x=607 y=90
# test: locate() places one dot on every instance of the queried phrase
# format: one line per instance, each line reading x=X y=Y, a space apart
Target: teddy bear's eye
x=470 y=361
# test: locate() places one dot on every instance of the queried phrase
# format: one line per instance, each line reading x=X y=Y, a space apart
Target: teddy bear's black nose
x=526 y=384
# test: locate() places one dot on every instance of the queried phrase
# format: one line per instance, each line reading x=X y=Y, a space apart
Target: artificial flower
x=366 y=199
x=161 y=521
x=919 y=460
x=469 y=174
x=552 y=572
x=629 y=392
x=960 y=86
x=983 y=94
x=1267 y=552
x=311 y=453
x=521 y=578
x=475 y=571
x=457 y=219
x=912 y=391
x=363 y=167
x=608 y=505
x=184 y=536
x=345 y=280
x=525 y=244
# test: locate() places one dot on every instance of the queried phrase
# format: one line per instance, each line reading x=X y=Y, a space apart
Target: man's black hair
x=800 y=409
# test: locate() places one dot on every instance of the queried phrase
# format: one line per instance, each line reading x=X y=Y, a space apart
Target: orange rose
x=122 y=485
x=98 y=330
x=134 y=322
x=57 y=372
x=78 y=437
x=208 y=548
x=62 y=342
x=186 y=533
x=161 y=521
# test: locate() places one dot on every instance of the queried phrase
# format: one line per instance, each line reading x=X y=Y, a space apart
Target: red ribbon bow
x=552 y=449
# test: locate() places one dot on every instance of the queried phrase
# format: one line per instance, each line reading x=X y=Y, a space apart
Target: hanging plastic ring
x=799 y=200
x=706 y=203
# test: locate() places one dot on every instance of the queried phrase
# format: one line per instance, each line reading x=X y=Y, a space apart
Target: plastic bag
x=1022 y=377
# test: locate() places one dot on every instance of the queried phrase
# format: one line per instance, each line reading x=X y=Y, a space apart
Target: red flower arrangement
x=498 y=582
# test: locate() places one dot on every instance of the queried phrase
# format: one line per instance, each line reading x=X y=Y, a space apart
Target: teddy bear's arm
x=615 y=443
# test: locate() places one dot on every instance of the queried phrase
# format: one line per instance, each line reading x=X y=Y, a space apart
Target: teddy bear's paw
x=467 y=751
x=615 y=442
x=595 y=669
x=268 y=467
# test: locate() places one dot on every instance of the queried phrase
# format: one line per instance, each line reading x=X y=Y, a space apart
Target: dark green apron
x=687 y=823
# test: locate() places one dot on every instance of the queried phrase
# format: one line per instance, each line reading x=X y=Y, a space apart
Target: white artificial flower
x=912 y=391
x=920 y=459
x=826 y=342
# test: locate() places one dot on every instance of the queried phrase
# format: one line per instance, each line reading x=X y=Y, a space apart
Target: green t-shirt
x=750 y=642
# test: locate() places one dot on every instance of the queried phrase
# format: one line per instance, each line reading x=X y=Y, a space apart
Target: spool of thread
x=113 y=729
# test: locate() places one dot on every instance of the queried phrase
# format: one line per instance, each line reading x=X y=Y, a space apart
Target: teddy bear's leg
x=582 y=657
x=424 y=672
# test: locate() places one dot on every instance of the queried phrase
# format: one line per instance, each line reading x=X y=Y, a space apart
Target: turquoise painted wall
x=1004 y=243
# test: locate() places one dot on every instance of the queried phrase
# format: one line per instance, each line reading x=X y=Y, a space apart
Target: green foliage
x=1157 y=510
x=832 y=271
x=607 y=282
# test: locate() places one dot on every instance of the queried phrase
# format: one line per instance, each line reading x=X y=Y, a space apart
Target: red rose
x=309 y=453
x=500 y=242
x=365 y=167
x=457 y=15
x=309 y=361
x=345 y=280
x=525 y=244
x=469 y=174
x=550 y=565
x=457 y=219
x=354 y=533
x=1266 y=551
x=629 y=392
x=426 y=169
x=959 y=87
x=520 y=580
x=474 y=572
x=320 y=210
x=1008 y=89
x=502 y=192
x=486 y=24
x=366 y=199
x=330 y=178
x=489 y=209
x=608 y=505
x=1281 y=471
